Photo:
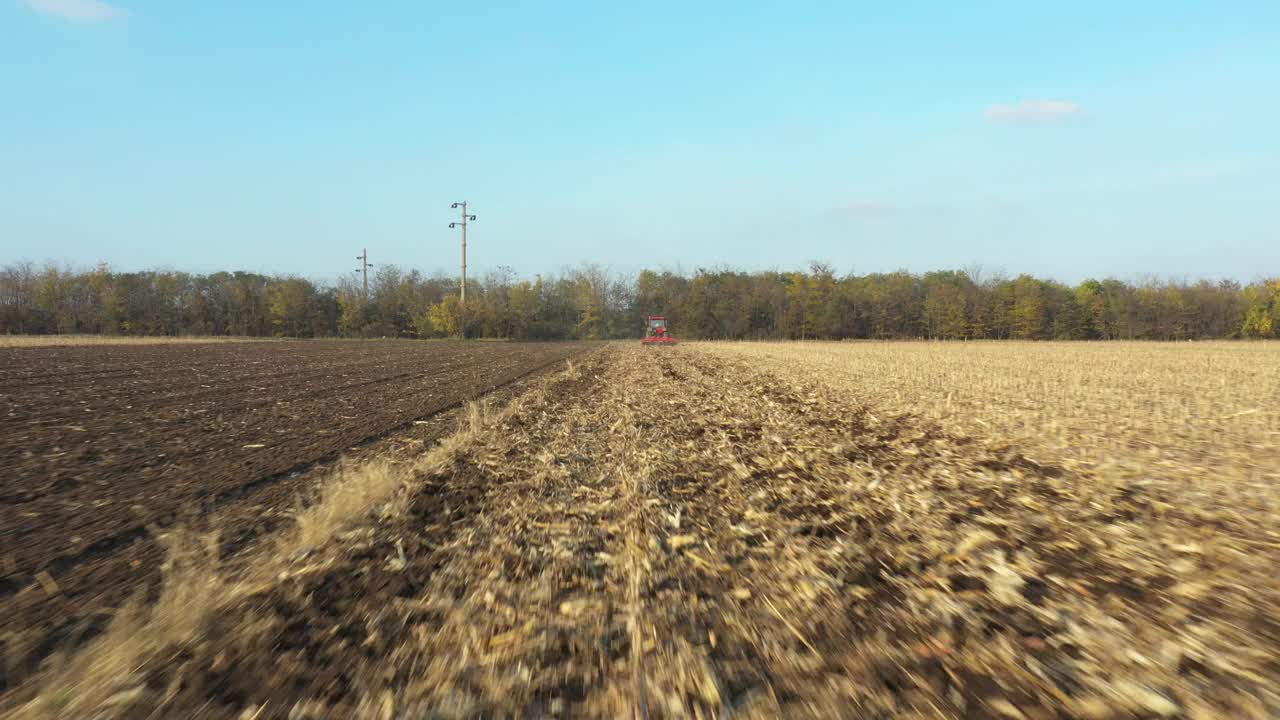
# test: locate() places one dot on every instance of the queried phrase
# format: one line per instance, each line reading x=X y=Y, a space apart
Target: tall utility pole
x=463 y=224
x=363 y=257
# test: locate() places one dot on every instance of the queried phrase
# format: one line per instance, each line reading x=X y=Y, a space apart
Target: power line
x=463 y=224
x=363 y=257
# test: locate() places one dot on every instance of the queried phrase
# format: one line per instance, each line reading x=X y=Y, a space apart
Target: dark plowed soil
x=100 y=444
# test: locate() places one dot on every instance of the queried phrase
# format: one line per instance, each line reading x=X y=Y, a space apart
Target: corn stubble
x=779 y=530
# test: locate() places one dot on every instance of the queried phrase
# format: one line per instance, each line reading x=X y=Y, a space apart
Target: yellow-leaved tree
x=1262 y=318
x=445 y=317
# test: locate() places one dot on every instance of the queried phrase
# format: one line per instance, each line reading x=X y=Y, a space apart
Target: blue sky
x=1062 y=139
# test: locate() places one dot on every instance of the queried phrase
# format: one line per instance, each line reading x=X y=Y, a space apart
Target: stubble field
x=757 y=530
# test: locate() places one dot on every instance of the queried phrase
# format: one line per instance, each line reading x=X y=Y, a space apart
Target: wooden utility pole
x=363 y=257
x=463 y=223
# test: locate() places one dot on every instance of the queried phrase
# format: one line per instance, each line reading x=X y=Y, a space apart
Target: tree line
x=591 y=303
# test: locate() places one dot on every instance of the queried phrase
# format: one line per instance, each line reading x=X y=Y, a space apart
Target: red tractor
x=655 y=332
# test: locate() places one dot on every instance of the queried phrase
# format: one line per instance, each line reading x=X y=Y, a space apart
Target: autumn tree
x=945 y=304
x=290 y=301
x=1027 y=316
x=1262 y=316
x=590 y=302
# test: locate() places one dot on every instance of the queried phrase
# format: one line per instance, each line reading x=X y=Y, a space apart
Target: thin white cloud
x=75 y=10
x=1165 y=177
x=1031 y=111
x=868 y=208
x=874 y=209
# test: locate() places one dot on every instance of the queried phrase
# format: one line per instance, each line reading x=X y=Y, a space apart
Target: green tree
x=1070 y=319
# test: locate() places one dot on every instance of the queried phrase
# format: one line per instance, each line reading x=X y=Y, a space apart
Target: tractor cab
x=656 y=332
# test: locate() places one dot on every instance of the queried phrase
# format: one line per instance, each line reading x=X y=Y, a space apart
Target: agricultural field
x=104 y=445
x=21 y=341
x=864 y=530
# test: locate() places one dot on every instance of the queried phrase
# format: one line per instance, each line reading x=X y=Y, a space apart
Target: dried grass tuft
x=346 y=497
x=105 y=678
